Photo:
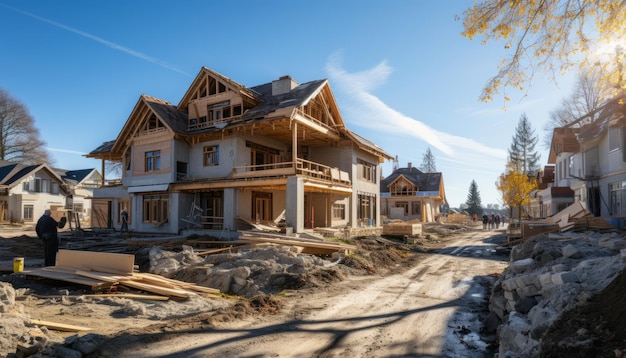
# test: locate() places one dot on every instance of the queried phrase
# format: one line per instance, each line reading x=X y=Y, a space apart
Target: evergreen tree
x=523 y=157
x=473 y=203
x=428 y=162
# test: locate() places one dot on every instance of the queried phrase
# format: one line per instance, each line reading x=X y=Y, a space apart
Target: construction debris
x=103 y=271
x=573 y=218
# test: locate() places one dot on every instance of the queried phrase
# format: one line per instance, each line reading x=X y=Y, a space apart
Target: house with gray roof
x=228 y=155
x=26 y=190
x=412 y=195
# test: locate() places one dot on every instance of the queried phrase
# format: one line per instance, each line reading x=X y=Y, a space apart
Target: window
x=592 y=165
x=211 y=155
x=28 y=213
x=614 y=138
x=54 y=189
x=339 y=211
x=416 y=208
x=153 y=160
x=405 y=205
x=367 y=170
x=26 y=186
x=617 y=198
x=42 y=185
x=155 y=209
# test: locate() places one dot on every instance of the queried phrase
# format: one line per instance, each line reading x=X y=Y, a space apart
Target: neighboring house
x=604 y=159
x=227 y=153
x=81 y=185
x=590 y=158
x=27 y=190
x=549 y=198
x=410 y=194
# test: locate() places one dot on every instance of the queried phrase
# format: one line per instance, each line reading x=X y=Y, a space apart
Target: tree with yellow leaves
x=516 y=189
x=549 y=36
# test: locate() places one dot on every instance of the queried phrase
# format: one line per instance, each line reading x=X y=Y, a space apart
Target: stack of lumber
x=104 y=271
x=307 y=246
x=402 y=229
x=574 y=217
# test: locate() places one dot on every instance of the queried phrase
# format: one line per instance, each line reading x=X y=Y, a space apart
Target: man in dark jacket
x=47 y=231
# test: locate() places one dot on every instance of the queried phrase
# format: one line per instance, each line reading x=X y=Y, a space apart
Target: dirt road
x=431 y=309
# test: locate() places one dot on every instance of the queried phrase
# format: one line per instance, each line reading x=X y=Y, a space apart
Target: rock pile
x=248 y=272
x=548 y=275
x=15 y=326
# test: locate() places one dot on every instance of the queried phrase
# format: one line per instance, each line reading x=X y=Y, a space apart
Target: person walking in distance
x=47 y=231
x=124 y=221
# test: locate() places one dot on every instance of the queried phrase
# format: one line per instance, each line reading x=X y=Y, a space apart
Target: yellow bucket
x=18 y=264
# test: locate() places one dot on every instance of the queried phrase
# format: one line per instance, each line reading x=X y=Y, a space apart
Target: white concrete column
x=230 y=207
x=294 y=207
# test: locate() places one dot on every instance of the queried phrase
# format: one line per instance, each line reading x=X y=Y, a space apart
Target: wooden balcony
x=300 y=167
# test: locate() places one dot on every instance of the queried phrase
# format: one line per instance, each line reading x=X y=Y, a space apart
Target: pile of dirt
x=593 y=329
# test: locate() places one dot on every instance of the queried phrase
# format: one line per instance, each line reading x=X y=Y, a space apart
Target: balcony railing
x=300 y=167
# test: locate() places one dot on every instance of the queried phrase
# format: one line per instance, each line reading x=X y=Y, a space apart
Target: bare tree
x=19 y=138
x=590 y=92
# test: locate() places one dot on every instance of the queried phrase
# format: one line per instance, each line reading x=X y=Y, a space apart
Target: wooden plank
x=66 y=276
x=158 y=289
x=320 y=245
x=84 y=260
x=133 y=296
x=102 y=276
x=219 y=250
x=60 y=326
x=172 y=283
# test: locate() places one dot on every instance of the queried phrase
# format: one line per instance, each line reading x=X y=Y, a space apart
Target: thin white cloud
x=65 y=151
x=102 y=41
x=375 y=114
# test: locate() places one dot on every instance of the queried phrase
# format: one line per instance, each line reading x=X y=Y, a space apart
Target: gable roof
x=425 y=182
x=202 y=76
x=267 y=106
x=75 y=176
x=11 y=173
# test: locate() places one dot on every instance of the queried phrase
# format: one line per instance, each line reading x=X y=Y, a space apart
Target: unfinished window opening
x=261 y=156
x=212 y=86
x=366 y=211
x=213 y=204
x=237 y=110
x=221 y=88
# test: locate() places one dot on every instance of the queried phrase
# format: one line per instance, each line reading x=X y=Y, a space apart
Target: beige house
x=412 y=195
x=27 y=190
x=277 y=153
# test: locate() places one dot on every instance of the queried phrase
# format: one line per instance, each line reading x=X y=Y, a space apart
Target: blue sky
x=402 y=74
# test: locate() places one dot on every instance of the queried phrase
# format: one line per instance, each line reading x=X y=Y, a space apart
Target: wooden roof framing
x=309 y=109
